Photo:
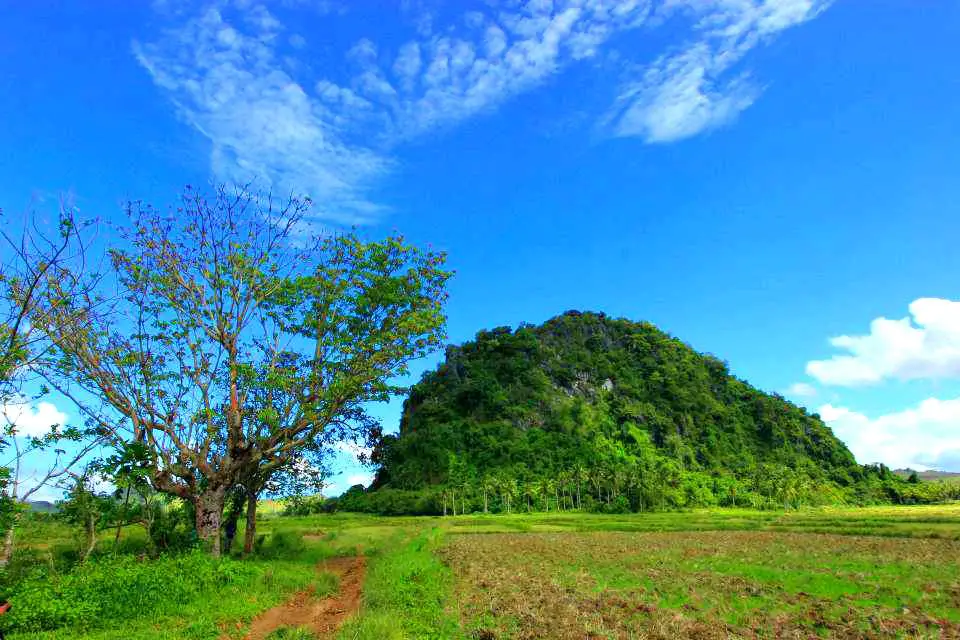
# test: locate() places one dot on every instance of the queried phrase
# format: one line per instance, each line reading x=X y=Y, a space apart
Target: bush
x=117 y=588
x=304 y=505
x=281 y=545
x=390 y=502
x=620 y=504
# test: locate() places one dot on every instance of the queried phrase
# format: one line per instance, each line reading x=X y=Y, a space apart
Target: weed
x=291 y=633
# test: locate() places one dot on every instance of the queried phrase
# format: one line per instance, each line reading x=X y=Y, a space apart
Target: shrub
x=281 y=545
x=326 y=584
x=117 y=588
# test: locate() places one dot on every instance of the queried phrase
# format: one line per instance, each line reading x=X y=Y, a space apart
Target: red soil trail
x=321 y=616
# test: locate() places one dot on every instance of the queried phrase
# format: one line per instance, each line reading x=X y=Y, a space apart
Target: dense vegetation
x=588 y=411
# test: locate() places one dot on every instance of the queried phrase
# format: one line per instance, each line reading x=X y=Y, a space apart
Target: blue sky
x=757 y=178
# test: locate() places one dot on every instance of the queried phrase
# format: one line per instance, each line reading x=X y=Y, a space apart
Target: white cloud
x=29 y=420
x=689 y=92
x=263 y=126
x=924 y=345
x=228 y=80
x=679 y=96
x=921 y=437
x=353 y=449
x=408 y=63
x=47 y=494
x=360 y=478
x=344 y=482
x=297 y=41
x=801 y=390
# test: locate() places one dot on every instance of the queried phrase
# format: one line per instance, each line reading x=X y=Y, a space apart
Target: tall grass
x=407 y=594
x=116 y=589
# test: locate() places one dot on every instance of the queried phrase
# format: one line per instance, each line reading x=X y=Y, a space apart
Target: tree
x=34 y=255
x=86 y=507
x=303 y=470
x=224 y=300
x=136 y=501
x=488 y=485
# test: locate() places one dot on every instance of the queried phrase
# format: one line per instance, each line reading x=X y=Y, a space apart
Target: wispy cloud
x=924 y=345
x=354 y=449
x=693 y=90
x=334 y=137
x=227 y=81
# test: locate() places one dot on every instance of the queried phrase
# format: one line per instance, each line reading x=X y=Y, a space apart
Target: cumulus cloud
x=801 y=390
x=224 y=73
x=923 y=345
x=344 y=482
x=33 y=421
x=922 y=437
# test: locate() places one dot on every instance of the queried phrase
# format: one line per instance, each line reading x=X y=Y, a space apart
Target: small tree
x=224 y=299
x=86 y=507
x=303 y=471
x=32 y=256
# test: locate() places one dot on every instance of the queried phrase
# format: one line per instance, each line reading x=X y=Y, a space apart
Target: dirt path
x=323 y=616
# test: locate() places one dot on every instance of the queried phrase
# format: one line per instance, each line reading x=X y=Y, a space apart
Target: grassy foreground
x=890 y=572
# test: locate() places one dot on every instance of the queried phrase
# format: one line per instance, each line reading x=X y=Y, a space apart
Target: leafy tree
x=237 y=339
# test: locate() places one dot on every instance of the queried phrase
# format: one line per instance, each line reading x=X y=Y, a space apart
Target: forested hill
x=619 y=408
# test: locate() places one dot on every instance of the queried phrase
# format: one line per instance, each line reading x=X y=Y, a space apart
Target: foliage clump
x=118 y=588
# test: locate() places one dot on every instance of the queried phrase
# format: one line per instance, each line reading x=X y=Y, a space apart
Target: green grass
x=407 y=592
x=863 y=571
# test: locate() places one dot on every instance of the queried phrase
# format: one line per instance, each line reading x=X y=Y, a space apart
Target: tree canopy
x=226 y=339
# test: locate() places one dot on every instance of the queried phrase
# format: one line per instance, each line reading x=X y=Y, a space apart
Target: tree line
x=628 y=489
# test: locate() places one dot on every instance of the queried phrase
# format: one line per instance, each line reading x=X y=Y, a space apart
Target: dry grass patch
x=705 y=585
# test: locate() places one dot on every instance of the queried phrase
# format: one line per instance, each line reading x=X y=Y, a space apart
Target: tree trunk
x=126 y=504
x=8 y=540
x=250 y=531
x=485 y=510
x=91 y=527
x=209 y=508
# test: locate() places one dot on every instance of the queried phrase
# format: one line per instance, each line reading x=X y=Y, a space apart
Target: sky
x=774 y=182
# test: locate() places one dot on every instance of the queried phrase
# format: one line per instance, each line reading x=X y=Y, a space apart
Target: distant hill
x=42 y=506
x=621 y=411
x=931 y=475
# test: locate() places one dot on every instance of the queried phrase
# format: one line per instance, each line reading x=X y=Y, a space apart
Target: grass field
x=891 y=572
